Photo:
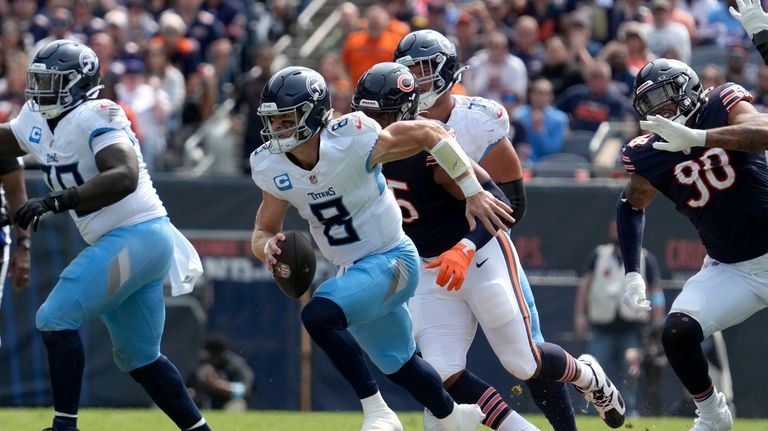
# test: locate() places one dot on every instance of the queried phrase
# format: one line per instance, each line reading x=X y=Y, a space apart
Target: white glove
x=751 y=16
x=634 y=293
x=677 y=136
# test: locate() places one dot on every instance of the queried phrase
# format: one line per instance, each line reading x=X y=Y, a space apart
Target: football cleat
x=464 y=417
x=718 y=420
x=603 y=394
x=384 y=420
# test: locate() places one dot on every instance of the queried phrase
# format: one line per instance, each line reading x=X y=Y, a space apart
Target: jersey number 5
x=690 y=173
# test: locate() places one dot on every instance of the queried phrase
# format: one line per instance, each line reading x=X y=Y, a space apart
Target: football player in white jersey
x=481 y=127
x=93 y=165
x=445 y=320
x=331 y=172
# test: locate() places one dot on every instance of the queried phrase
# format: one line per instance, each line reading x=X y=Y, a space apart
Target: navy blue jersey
x=723 y=193
x=432 y=217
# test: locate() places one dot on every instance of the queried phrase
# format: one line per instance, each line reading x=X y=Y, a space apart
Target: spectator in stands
x=725 y=27
x=579 y=36
x=545 y=126
x=547 y=13
x=142 y=26
x=663 y=34
x=84 y=20
x=158 y=66
x=223 y=60
x=117 y=27
x=59 y=27
x=24 y=12
x=202 y=26
x=589 y=104
x=349 y=22
x=249 y=99
x=13 y=39
x=494 y=71
x=615 y=53
x=12 y=85
x=527 y=46
x=638 y=53
x=616 y=331
x=104 y=47
x=738 y=68
x=436 y=16
x=761 y=92
x=559 y=68
x=183 y=52
x=339 y=84
x=151 y=105
x=624 y=13
x=468 y=38
x=231 y=14
x=223 y=380
x=684 y=17
x=711 y=76
x=364 y=48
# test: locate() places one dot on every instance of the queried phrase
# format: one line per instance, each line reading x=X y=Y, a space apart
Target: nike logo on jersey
x=479 y=264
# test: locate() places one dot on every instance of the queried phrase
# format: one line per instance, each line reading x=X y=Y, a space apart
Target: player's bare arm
x=118 y=177
x=267 y=231
x=441 y=177
x=747 y=130
x=501 y=162
x=406 y=138
x=9 y=146
x=639 y=192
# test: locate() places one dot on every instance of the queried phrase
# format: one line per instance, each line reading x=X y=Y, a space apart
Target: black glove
x=36 y=208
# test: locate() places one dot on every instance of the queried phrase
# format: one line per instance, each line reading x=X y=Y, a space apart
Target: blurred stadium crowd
x=562 y=68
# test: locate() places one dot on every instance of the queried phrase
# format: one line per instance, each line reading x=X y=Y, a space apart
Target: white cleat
x=718 y=420
x=464 y=417
x=384 y=420
x=603 y=394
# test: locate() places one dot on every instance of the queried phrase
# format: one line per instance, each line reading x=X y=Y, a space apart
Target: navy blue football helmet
x=437 y=61
x=63 y=74
x=299 y=91
x=664 y=82
x=387 y=88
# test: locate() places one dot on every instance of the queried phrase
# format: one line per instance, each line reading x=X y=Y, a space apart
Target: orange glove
x=453 y=264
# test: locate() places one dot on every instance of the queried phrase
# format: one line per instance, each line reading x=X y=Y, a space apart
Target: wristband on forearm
x=630 y=223
x=760 y=40
x=480 y=236
x=65 y=200
x=452 y=158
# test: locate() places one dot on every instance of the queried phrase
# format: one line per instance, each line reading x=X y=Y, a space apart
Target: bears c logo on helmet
x=405 y=83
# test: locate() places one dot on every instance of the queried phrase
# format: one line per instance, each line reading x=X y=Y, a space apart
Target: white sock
x=199 y=423
x=710 y=404
x=374 y=403
x=515 y=422
x=586 y=376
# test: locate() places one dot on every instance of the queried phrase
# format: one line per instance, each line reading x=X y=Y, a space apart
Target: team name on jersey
x=323 y=194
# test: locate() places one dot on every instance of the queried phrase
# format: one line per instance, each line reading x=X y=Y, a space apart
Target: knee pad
x=680 y=328
x=520 y=363
x=322 y=313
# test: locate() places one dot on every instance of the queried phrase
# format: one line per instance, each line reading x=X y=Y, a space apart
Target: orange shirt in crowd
x=361 y=52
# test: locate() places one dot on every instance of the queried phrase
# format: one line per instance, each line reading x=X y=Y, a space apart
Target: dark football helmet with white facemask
x=63 y=75
x=664 y=82
x=298 y=91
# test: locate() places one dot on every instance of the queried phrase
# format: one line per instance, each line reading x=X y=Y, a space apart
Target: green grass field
x=153 y=420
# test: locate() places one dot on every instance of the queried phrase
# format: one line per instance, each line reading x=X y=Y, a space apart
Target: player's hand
x=36 y=209
x=751 y=16
x=678 y=137
x=453 y=265
x=634 y=293
x=493 y=213
x=271 y=249
x=20 y=264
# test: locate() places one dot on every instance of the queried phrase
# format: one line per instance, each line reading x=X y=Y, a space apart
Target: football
x=296 y=263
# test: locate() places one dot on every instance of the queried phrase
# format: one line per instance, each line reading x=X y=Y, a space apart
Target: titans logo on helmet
x=89 y=63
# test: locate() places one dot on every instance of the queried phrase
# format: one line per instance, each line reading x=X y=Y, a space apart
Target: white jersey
x=67 y=157
x=351 y=212
x=478 y=124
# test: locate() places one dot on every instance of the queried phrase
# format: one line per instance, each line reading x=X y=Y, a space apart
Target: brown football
x=296 y=263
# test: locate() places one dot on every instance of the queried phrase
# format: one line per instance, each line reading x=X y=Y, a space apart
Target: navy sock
x=556 y=363
x=425 y=385
x=165 y=386
x=552 y=399
x=66 y=361
x=682 y=339
x=327 y=325
x=470 y=389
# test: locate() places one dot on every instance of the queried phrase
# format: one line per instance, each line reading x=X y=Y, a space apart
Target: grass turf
x=35 y=419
